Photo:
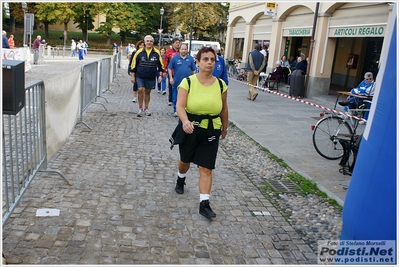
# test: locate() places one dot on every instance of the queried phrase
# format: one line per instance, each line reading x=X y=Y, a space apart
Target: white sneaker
x=134 y=100
x=140 y=113
x=174 y=114
x=147 y=112
x=163 y=92
x=159 y=91
x=362 y=122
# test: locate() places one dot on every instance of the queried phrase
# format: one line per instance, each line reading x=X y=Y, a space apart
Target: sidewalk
x=283 y=126
x=122 y=208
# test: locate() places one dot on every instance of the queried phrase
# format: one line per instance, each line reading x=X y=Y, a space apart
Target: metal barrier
x=104 y=75
x=24 y=148
x=94 y=78
x=41 y=54
x=117 y=57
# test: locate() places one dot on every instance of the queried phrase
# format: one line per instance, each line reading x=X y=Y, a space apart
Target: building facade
x=342 y=42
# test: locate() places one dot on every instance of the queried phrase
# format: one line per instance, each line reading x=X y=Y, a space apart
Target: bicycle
x=233 y=72
x=329 y=131
x=242 y=75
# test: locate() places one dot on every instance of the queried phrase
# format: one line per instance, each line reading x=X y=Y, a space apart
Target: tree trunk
x=84 y=34
x=12 y=24
x=66 y=30
x=46 y=32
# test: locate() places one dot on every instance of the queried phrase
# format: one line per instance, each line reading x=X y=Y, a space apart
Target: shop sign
x=378 y=31
x=270 y=9
x=297 y=32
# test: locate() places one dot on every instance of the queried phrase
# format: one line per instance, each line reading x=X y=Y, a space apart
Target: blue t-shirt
x=220 y=70
x=183 y=67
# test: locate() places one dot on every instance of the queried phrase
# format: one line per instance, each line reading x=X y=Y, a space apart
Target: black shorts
x=197 y=149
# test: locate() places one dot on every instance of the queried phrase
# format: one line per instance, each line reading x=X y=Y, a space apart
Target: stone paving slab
x=122 y=208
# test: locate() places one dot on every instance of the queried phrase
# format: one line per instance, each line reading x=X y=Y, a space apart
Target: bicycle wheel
x=326 y=134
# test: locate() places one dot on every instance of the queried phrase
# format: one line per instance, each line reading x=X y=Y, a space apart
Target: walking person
x=220 y=70
x=256 y=63
x=139 y=44
x=162 y=85
x=168 y=57
x=85 y=46
x=182 y=65
x=203 y=113
x=146 y=62
x=35 y=47
x=127 y=50
x=81 y=50
x=73 y=48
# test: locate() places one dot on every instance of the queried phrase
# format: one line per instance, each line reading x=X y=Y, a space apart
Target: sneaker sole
x=208 y=217
x=254 y=97
x=180 y=193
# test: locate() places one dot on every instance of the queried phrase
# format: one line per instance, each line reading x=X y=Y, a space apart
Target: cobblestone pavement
x=122 y=208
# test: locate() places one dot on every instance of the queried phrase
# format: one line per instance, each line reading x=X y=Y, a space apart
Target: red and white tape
x=302 y=101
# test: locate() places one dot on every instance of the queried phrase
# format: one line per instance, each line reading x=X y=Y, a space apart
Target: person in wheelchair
x=275 y=76
x=365 y=88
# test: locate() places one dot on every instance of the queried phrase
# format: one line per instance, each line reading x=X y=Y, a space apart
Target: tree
x=64 y=13
x=132 y=18
x=84 y=14
x=46 y=13
x=111 y=12
x=204 y=22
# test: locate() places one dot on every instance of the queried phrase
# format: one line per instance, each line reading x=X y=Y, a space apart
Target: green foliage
x=136 y=16
x=207 y=16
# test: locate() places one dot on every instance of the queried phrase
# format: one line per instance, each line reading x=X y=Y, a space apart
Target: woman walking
x=203 y=113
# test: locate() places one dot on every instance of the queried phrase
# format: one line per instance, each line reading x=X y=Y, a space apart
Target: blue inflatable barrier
x=370 y=209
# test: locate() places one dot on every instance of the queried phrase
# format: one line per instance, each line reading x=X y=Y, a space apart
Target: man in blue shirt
x=220 y=70
x=181 y=66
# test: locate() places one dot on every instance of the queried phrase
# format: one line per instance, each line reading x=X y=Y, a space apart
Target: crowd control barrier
x=116 y=60
x=89 y=87
x=24 y=148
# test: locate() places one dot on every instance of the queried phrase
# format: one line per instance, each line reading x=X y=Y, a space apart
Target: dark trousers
x=170 y=92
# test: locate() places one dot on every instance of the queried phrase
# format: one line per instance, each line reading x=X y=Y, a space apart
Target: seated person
x=276 y=75
x=284 y=61
x=365 y=88
x=292 y=62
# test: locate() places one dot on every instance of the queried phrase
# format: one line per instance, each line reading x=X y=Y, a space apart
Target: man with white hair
x=365 y=88
x=145 y=64
x=5 y=40
x=36 y=45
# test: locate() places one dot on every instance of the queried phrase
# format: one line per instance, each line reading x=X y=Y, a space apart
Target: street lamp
x=24 y=6
x=161 y=11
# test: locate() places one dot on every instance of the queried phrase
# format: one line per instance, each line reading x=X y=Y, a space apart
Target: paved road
x=122 y=208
